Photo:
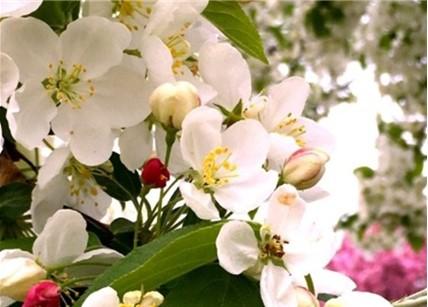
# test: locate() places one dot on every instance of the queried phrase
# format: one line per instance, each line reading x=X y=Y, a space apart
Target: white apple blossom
x=358 y=299
x=63 y=180
x=107 y=297
x=16 y=8
x=227 y=164
x=9 y=76
x=74 y=84
x=53 y=251
x=291 y=245
x=279 y=110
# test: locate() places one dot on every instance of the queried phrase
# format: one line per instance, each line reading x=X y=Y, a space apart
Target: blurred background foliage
x=325 y=38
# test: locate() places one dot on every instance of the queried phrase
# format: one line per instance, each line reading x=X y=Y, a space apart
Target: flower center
x=82 y=183
x=66 y=86
x=131 y=13
x=179 y=47
x=291 y=127
x=216 y=168
x=271 y=245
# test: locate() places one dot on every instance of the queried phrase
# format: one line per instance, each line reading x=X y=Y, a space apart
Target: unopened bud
x=170 y=102
x=18 y=275
x=132 y=297
x=44 y=294
x=154 y=173
x=152 y=299
x=305 y=298
x=305 y=168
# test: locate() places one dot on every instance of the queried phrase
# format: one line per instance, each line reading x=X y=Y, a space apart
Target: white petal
x=200 y=135
x=53 y=166
x=91 y=140
x=18 y=8
x=53 y=248
x=198 y=201
x=289 y=96
x=331 y=282
x=316 y=136
x=237 y=248
x=121 y=94
x=31 y=100
x=248 y=142
x=9 y=76
x=136 y=145
x=246 y=194
x=231 y=79
x=94 y=205
x=98 y=8
x=276 y=287
x=95 y=42
x=358 y=299
x=205 y=91
x=45 y=202
x=31 y=43
x=202 y=31
x=158 y=60
x=105 y=297
x=281 y=148
x=62 y=124
x=14 y=253
x=285 y=211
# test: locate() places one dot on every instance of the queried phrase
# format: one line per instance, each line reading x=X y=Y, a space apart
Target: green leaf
x=25 y=244
x=57 y=14
x=122 y=184
x=230 y=19
x=15 y=199
x=161 y=260
x=365 y=172
x=211 y=286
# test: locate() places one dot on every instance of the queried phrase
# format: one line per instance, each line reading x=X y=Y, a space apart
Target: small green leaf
x=57 y=14
x=211 y=286
x=15 y=199
x=122 y=184
x=365 y=172
x=230 y=19
x=25 y=244
x=161 y=260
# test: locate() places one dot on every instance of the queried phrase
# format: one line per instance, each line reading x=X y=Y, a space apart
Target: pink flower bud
x=305 y=168
x=154 y=173
x=44 y=294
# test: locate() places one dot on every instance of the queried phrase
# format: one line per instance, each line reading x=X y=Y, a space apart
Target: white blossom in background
x=107 y=297
x=16 y=8
x=52 y=250
x=63 y=180
x=74 y=83
x=227 y=165
x=291 y=245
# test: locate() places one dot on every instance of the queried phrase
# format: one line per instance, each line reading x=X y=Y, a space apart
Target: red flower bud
x=154 y=173
x=43 y=294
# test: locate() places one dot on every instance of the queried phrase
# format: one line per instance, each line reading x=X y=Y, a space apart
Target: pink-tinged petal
x=201 y=133
x=276 y=287
x=249 y=143
x=245 y=194
x=237 y=248
x=198 y=201
x=100 y=44
x=30 y=130
x=232 y=84
x=289 y=96
x=32 y=44
x=53 y=248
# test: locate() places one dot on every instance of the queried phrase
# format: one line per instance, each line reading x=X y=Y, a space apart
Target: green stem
x=76 y=280
x=310 y=283
x=138 y=224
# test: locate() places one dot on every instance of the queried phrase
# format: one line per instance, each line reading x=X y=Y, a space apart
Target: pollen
x=217 y=170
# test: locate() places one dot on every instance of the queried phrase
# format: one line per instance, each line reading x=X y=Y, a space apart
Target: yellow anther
x=217 y=169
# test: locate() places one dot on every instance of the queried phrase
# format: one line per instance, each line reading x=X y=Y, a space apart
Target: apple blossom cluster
x=153 y=90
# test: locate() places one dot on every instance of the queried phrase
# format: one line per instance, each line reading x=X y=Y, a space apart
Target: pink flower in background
x=391 y=273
